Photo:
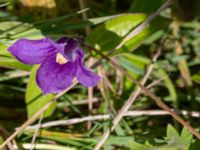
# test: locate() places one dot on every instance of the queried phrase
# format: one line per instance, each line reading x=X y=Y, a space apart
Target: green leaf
x=119 y=140
x=174 y=139
x=133 y=63
x=154 y=37
x=108 y=35
x=186 y=137
x=13 y=63
x=35 y=99
x=3 y=50
x=171 y=132
x=7 y=60
x=196 y=78
x=158 y=24
x=58 y=26
x=138 y=146
x=169 y=84
x=11 y=31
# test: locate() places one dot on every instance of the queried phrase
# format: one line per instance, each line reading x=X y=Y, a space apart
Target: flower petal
x=85 y=76
x=69 y=51
x=53 y=77
x=32 y=51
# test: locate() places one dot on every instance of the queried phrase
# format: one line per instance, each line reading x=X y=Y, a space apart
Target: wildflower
x=60 y=61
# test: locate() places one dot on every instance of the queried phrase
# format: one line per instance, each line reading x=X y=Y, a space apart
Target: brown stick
x=128 y=103
x=132 y=113
x=156 y=99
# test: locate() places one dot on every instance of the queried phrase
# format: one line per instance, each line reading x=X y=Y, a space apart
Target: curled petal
x=70 y=48
x=85 y=76
x=53 y=77
x=32 y=51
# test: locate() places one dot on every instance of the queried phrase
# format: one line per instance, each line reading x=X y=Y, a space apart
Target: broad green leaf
x=108 y=35
x=35 y=99
x=156 y=25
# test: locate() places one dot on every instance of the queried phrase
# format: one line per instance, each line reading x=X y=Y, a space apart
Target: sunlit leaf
x=108 y=35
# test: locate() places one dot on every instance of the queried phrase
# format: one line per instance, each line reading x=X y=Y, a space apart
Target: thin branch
x=156 y=99
x=46 y=146
x=90 y=89
x=127 y=104
x=4 y=133
x=79 y=102
x=134 y=113
x=90 y=98
x=36 y=132
x=155 y=83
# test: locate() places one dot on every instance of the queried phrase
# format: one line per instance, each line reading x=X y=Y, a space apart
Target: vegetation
x=147 y=55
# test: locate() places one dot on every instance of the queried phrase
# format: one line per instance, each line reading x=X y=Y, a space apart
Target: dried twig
x=4 y=134
x=90 y=89
x=134 y=113
x=128 y=104
x=156 y=99
x=36 y=132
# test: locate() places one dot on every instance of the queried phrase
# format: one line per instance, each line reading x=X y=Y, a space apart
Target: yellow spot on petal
x=61 y=59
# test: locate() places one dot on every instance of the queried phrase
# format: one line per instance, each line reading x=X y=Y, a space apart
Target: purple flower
x=60 y=61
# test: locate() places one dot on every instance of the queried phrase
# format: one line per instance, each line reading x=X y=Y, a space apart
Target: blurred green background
x=104 y=24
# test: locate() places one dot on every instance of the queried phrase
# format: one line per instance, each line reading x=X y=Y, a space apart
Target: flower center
x=61 y=59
